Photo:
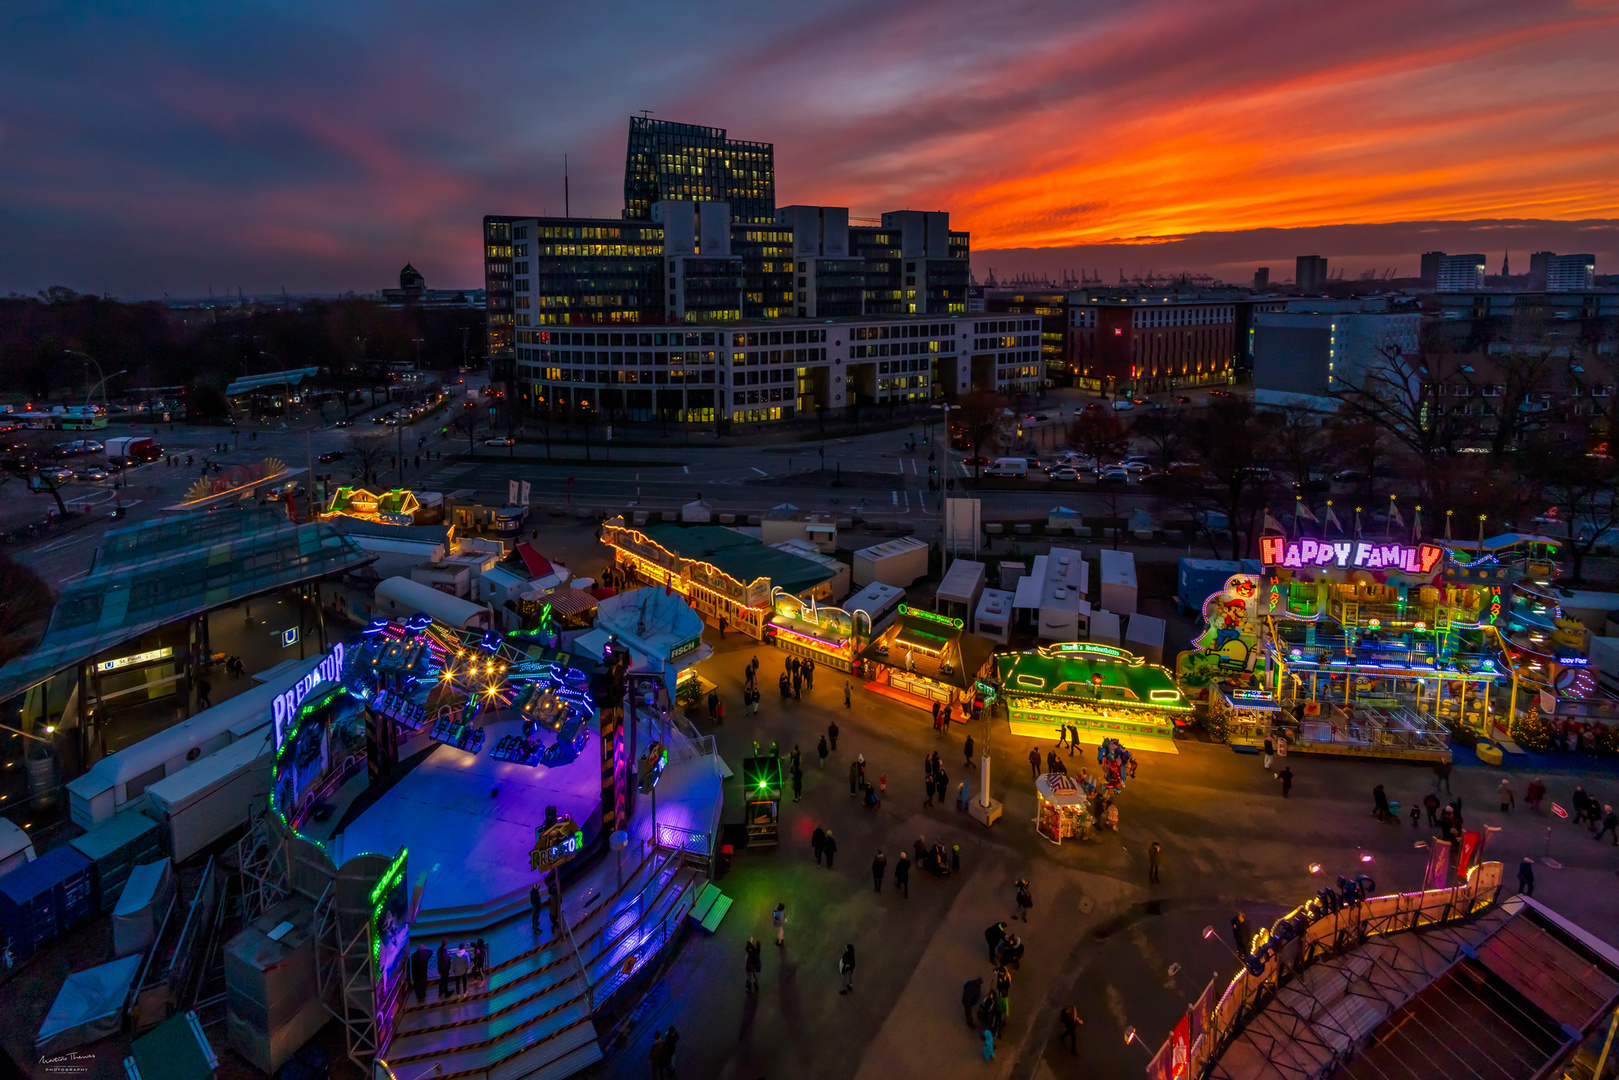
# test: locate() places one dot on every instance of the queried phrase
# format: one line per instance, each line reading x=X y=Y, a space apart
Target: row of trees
x=1238 y=462
x=41 y=339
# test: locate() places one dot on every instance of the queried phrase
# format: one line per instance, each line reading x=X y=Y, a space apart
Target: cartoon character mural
x=1228 y=644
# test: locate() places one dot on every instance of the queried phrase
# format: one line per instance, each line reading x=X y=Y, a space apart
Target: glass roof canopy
x=155 y=572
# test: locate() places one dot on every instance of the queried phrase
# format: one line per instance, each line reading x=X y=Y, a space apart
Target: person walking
x=1504 y=794
x=1380 y=803
x=1286 y=777
x=1070 y=1027
x=713 y=703
x=1610 y=824
x=831 y=848
x=778 y=918
x=929 y=783
x=854 y=778
x=671 y=1040
x=941 y=783
x=832 y=735
x=1152 y=862
x=753 y=964
x=1025 y=900
x=719 y=712
x=654 y=1056
x=971 y=991
x=1430 y=803
x=1526 y=876
x=480 y=960
x=860 y=764
x=443 y=959
x=1034 y=763
x=1270 y=751
x=818 y=842
x=1073 y=739
x=1534 y=793
x=798 y=782
x=967 y=752
x=879 y=867
x=846 y=703
x=1441 y=776
x=846 y=969
x=902 y=875
x=534 y=907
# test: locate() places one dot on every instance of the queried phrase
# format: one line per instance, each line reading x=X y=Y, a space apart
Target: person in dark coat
x=1526 y=876
x=1152 y=862
x=818 y=842
x=929 y=783
x=1430 y=803
x=820 y=749
x=1286 y=777
x=1034 y=763
x=534 y=907
x=970 y=993
x=854 y=779
x=443 y=970
x=418 y=973
x=902 y=875
x=1239 y=932
x=1380 y=803
x=1070 y=1028
x=798 y=783
x=846 y=969
x=879 y=867
x=967 y=752
x=831 y=848
x=993 y=937
x=753 y=964
x=1025 y=899
x=832 y=734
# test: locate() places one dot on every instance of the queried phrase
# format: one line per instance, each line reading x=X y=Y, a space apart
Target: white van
x=1008 y=466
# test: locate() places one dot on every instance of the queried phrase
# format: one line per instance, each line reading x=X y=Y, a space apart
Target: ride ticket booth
x=1247 y=714
x=761 y=778
x=1061 y=811
x=924 y=657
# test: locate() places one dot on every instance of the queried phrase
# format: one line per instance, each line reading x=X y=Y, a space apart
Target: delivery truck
x=132 y=450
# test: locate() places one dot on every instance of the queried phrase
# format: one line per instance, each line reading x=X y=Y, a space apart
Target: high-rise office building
x=1261 y=278
x=1430 y=266
x=690 y=260
x=1459 y=273
x=1537 y=270
x=1570 y=273
x=666 y=160
x=1310 y=272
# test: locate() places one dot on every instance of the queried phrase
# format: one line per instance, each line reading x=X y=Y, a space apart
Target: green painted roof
x=742 y=557
x=1070 y=677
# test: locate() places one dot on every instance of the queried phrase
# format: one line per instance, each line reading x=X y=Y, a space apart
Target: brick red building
x=1155 y=343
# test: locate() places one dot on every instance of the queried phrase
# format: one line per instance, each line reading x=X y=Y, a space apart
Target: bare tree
x=25 y=608
x=365 y=457
x=1164 y=430
x=466 y=421
x=1583 y=492
x=978 y=412
x=1099 y=434
x=1232 y=443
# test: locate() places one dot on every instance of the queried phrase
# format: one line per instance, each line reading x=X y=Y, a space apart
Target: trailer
x=132 y=450
x=199 y=805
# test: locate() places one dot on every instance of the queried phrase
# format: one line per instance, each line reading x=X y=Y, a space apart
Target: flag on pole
x=1357 y=523
x=1271 y=524
x=1416 y=525
x=1448 y=515
x=1394 y=513
x=1332 y=519
x=1302 y=510
x=1559 y=811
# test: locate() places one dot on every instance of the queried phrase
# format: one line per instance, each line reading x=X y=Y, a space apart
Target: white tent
x=15 y=847
x=88 y=1007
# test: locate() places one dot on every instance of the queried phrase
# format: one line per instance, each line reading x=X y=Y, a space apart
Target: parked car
x=1350 y=476
x=330 y=456
x=61 y=476
x=93 y=474
x=1063 y=472
x=1136 y=466
x=1115 y=473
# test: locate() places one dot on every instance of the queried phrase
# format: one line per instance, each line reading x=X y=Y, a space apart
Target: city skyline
x=318 y=150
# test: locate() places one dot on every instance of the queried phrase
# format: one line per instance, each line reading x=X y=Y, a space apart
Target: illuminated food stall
x=1096 y=688
x=393 y=507
x=826 y=635
x=923 y=657
x=1062 y=808
x=729 y=578
x=1244 y=715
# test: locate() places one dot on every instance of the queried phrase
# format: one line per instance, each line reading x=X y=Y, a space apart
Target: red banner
x=1468 y=850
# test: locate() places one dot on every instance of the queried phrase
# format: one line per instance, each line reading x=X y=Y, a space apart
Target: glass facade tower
x=666 y=160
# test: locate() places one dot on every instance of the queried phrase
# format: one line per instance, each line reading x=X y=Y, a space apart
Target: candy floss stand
x=1060 y=811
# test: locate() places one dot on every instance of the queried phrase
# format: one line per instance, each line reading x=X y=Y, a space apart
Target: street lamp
x=101 y=383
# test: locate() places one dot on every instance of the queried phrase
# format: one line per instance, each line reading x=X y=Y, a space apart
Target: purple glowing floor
x=473 y=846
